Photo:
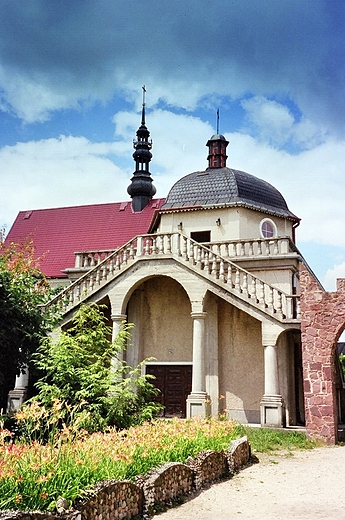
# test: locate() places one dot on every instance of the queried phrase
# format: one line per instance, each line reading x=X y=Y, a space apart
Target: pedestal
x=198 y=405
x=272 y=411
x=15 y=399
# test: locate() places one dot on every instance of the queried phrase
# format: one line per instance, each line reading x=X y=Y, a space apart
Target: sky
x=71 y=77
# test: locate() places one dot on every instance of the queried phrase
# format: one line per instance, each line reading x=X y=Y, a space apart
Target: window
x=268 y=228
x=201 y=236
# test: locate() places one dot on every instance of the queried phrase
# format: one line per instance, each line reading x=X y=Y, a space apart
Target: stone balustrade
x=206 y=259
x=159 y=489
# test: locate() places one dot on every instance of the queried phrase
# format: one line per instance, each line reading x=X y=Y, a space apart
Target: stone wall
x=323 y=320
x=155 y=491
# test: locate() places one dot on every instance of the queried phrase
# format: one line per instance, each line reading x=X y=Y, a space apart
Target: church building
x=209 y=276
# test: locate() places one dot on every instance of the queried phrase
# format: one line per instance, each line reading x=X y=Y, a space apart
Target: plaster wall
x=160 y=310
x=236 y=223
x=241 y=363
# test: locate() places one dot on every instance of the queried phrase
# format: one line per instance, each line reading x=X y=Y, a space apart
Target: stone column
x=17 y=396
x=272 y=407
x=198 y=402
x=117 y=323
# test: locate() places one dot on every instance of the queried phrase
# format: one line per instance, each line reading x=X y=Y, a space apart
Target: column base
x=198 y=405
x=272 y=411
x=15 y=399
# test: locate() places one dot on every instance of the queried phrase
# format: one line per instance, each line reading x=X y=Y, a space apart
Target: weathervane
x=218 y=121
x=144 y=92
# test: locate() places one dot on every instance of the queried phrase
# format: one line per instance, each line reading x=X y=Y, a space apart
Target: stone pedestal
x=198 y=405
x=272 y=411
x=15 y=399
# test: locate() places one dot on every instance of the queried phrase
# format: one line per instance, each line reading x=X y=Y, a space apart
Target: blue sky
x=70 y=96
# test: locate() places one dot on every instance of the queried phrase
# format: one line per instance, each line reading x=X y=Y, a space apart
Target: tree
x=84 y=370
x=23 y=288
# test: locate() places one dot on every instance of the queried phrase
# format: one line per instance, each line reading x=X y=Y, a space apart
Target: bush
x=85 y=383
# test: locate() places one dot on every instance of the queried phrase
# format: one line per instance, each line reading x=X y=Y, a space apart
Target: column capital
x=198 y=315
x=118 y=317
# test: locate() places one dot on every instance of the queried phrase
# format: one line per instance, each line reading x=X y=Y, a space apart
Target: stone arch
x=323 y=321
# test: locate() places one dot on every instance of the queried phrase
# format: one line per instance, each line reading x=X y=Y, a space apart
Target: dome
x=227 y=187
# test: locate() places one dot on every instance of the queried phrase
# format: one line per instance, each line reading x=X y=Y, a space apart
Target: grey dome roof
x=226 y=187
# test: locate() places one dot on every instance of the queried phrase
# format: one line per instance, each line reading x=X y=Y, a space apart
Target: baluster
x=198 y=257
x=279 y=303
x=275 y=248
x=270 y=298
x=229 y=275
x=147 y=246
x=131 y=251
x=259 y=248
x=124 y=256
x=242 y=249
x=161 y=245
x=78 y=293
x=91 y=283
x=98 y=276
x=250 y=249
x=214 y=264
x=207 y=261
x=184 y=248
x=104 y=271
x=252 y=289
x=261 y=292
x=226 y=253
x=221 y=270
x=218 y=249
x=191 y=253
x=169 y=244
x=237 y=279
x=118 y=261
x=245 y=284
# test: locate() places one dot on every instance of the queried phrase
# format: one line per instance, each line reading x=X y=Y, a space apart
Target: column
x=117 y=324
x=272 y=407
x=17 y=396
x=198 y=402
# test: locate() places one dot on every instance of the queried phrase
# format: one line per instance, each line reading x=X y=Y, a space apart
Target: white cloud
x=331 y=276
x=73 y=170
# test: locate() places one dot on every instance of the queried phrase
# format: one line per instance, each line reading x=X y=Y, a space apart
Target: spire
x=141 y=188
x=217 y=149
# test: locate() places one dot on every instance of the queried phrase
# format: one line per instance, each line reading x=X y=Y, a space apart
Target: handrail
x=202 y=257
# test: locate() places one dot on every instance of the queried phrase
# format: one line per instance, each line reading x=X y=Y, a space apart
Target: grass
x=33 y=476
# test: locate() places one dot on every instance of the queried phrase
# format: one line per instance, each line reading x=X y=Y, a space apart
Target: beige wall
x=241 y=363
x=160 y=310
x=236 y=223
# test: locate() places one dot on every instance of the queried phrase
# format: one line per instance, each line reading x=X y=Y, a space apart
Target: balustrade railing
x=211 y=259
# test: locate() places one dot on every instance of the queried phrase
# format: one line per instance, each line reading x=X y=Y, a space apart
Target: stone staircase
x=211 y=261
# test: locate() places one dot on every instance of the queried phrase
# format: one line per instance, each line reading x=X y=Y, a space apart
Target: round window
x=268 y=228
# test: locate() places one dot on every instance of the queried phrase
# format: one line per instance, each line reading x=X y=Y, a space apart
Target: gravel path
x=307 y=485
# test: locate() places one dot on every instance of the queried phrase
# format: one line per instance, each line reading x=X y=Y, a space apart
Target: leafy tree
x=84 y=370
x=23 y=288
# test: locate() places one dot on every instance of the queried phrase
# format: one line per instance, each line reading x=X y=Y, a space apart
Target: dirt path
x=307 y=485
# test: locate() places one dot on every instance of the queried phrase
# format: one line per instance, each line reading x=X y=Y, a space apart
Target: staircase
x=211 y=261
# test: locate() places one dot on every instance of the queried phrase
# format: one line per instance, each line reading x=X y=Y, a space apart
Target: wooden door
x=175 y=384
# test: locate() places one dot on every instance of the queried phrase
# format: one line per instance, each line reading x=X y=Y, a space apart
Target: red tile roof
x=58 y=233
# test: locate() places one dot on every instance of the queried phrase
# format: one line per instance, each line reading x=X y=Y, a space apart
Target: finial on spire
x=217 y=121
x=143 y=110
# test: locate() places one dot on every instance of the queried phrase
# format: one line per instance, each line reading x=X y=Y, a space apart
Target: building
x=209 y=276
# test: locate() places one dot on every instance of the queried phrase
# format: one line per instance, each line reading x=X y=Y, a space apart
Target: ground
x=305 y=485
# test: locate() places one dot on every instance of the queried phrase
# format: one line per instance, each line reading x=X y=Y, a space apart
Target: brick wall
x=323 y=320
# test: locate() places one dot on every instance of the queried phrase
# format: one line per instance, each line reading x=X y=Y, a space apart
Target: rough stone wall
x=323 y=320
x=208 y=467
x=157 y=489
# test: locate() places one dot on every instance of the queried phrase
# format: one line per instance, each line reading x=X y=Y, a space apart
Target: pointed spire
x=141 y=188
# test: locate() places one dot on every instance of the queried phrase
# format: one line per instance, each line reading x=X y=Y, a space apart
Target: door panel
x=175 y=384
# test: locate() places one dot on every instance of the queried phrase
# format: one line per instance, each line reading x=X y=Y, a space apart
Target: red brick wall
x=323 y=320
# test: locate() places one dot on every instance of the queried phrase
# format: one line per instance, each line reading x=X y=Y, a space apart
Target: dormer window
x=268 y=229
